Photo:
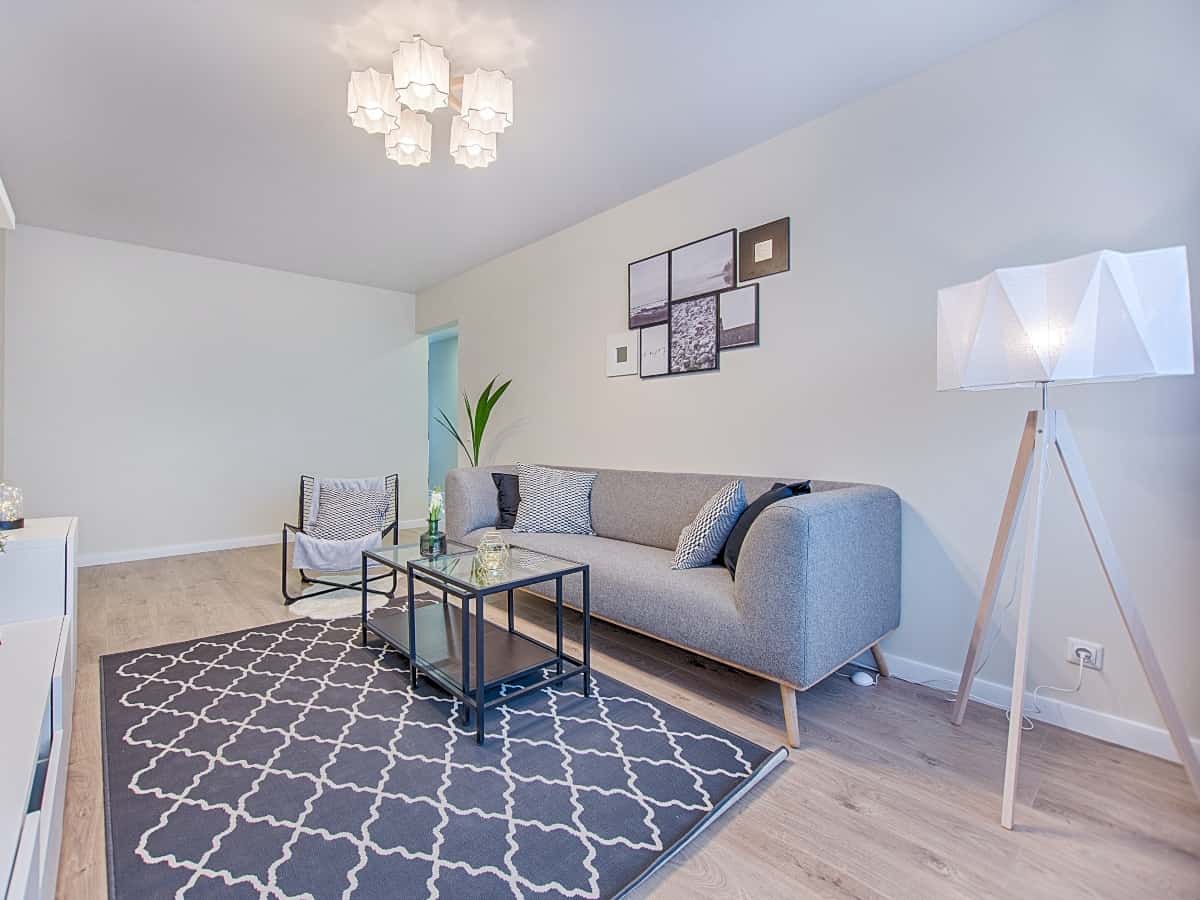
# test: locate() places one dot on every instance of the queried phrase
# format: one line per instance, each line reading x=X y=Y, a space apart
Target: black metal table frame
x=474 y=697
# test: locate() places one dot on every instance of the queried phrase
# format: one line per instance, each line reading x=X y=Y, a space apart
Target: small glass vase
x=433 y=542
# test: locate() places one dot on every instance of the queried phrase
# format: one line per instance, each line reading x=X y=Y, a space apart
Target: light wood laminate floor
x=885 y=798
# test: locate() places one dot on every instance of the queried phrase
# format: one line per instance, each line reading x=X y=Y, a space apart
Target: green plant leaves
x=477 y=418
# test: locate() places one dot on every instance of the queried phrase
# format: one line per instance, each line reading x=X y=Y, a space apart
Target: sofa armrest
x=820 y=573
x=470 y=500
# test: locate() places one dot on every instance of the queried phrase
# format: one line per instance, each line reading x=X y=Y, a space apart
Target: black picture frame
x=673 y=336
x=657 y=318
x=666 y=346
x=779 y=233
x=721 y=295
x=684 y=292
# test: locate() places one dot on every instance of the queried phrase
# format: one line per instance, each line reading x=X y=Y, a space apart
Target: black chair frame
x=393 y=483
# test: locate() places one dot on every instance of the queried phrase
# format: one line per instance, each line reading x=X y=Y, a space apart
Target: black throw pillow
x=778 y=491
x=508 y=496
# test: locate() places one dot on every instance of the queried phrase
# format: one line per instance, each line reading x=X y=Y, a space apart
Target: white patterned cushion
x=554 y=500
x=700 y=542
x=349 y=515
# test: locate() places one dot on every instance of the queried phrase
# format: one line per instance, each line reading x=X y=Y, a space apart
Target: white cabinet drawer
x=51 y=825
x=62 y=697
x=24 y=884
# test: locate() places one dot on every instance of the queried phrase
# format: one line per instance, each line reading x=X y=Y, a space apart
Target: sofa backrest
x=653 y=507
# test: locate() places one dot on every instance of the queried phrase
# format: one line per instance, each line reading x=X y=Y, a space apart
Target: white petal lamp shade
x=471 y=148
x=487 y=101
x=411 y=141
x=371 y=101
x=1105 y=315
x=421 y=74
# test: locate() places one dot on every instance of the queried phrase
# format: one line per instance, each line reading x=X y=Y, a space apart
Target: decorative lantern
x=492 y=552
x=12 y=507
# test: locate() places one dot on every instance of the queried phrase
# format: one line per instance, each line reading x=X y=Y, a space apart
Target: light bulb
x=422 y=90
x=374 y=113
x=407 y=146
x=473 y=149
x=487 y=113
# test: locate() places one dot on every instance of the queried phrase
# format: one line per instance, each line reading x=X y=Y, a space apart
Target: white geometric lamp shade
x=469 y=147
x=487 y=101
x=1104 y=315
x=421 y=73
x=371 y=101
x=410 y=142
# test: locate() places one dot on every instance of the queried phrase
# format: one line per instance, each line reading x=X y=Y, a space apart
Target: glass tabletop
x=400 y=554
x=461 y=566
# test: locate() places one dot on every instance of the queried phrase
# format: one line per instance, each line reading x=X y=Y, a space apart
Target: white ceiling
x=218 y=127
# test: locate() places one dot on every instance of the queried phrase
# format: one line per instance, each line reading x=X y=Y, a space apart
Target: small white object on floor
x=335 y=605
x=862 y=679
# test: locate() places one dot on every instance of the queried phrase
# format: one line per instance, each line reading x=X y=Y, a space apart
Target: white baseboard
x=1105 y=726
x=258 y=540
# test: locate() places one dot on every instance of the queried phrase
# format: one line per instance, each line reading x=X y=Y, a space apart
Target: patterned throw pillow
x=554 y=500
x=349 y=515
x=700 y=542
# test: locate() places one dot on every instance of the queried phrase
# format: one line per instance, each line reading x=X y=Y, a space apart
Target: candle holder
x=492 y=553
x=12 y=507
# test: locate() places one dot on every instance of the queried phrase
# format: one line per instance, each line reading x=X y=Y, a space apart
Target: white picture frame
x=621 y=357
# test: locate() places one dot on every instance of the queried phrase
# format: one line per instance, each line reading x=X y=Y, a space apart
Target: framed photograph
x=693 y=334
x=737 y=313
x=649 y=289
x=704 y=266
x=765 y=250
x=622 y=356
x=653 y=350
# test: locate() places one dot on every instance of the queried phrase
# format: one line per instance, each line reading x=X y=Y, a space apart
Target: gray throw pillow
x=700 y=541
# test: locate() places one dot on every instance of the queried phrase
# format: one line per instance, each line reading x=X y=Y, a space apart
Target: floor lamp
x=1106 y=315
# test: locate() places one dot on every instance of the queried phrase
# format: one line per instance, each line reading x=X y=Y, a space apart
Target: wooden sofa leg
x=880 y=662
x=790 y=716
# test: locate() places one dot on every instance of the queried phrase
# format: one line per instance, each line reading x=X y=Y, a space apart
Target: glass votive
x=12 y=507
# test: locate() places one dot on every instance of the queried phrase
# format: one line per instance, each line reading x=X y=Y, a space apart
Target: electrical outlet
x=1097 y=651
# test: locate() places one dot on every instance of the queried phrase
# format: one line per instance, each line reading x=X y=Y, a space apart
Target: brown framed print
x=737 y=315
x=765 y=250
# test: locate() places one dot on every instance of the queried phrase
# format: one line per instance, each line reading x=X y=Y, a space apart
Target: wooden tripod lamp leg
x=1102 y=541
x=1033 y=528
x=1004 y=535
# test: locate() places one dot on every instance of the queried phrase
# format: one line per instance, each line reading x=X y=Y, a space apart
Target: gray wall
x=443 y=394
x=1079 y=132
x=3 y=244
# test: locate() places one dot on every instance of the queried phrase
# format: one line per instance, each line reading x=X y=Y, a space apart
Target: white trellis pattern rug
x=289 y=761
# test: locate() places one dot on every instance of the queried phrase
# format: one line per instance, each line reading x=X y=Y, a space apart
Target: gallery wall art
x=686 y=305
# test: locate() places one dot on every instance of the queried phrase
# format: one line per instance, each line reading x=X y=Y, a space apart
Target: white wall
x=1079 y=132
x=173 y=400
x=3 y=257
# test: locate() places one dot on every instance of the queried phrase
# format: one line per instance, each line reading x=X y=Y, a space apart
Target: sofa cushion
x=508 y=498
x=702 y=540
x=634 y=585
x=737 y=536
x=554 y=500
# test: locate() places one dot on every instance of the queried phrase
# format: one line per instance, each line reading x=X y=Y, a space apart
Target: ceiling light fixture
x=391 y=105
x=486 y=102
x=469 y=147
x=410 y=143
x=421 y=74
x=371 y=101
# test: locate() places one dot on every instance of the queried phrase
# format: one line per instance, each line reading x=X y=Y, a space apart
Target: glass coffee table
x=456 y=647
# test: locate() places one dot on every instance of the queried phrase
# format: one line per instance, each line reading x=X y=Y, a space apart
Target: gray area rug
x=288 y=761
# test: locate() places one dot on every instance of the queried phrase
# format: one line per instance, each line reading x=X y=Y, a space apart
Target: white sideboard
x=37 y=670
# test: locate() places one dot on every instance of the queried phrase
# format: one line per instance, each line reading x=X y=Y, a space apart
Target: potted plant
x=433 y=541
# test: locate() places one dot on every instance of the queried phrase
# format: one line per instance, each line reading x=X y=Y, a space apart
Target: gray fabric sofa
x=818 y=579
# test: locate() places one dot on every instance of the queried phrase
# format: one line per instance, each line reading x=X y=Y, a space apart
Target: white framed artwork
x=622 y=355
